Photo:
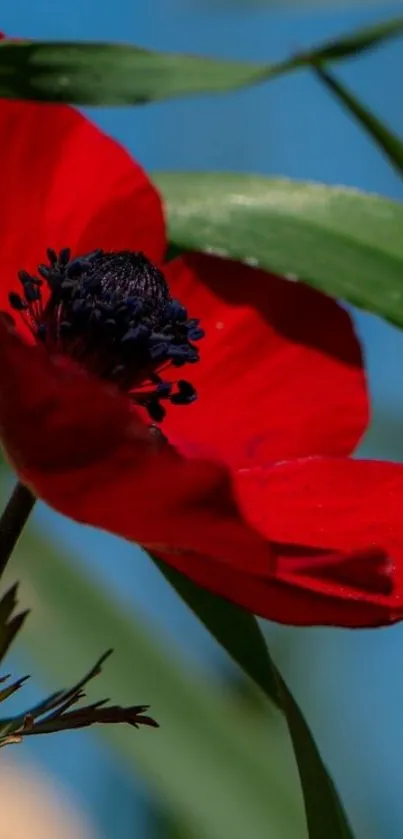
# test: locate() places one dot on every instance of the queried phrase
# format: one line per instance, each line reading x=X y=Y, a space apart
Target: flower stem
x=12 y=521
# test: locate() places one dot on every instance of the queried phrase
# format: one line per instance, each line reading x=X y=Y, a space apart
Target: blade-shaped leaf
x=324 y=811
x=344 y=242
x=237 y=631
x=356 y=42
x=107 y=74
x=209 y=761
x=234 y=629
x=390 y=144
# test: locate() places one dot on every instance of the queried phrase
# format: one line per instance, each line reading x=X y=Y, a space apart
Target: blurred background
x=117 y=785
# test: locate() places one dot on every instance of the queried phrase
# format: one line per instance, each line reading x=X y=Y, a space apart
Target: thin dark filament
x=13 y=520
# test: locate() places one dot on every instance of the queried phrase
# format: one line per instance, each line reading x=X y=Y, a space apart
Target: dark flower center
x=113 y=313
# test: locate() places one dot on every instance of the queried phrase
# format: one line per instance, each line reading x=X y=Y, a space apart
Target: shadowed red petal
x=285 y=598
x=280 y=374
x=77 y=443
x=66 y=184
x=82 y=449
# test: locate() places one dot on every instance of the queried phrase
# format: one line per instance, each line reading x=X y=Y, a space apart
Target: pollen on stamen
x=113 y=313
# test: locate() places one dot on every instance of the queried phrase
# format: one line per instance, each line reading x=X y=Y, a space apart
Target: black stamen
x=16 y=302
x=64 y=256
x=31 y=292
x=112 y=312
x=51 y=255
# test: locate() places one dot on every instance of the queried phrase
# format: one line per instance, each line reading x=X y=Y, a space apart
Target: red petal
x=76 y=442
x=285 y=599
x=337 y=504
x=280 y=374
x=66 y=184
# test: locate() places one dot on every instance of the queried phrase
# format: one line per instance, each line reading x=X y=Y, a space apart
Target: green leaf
x=107 y=74
x=214 y=765
x=237 y=631
x=391 y=145
x=325 y=814
x=239 y=634
x=344 y=242
x=354 y=43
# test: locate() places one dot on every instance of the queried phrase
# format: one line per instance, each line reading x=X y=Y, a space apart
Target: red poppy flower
x=155 y=401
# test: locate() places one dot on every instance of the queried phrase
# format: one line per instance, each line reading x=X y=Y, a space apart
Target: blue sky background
x=349 y=684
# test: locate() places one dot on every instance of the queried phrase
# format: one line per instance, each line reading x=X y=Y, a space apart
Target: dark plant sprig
x=10 y=624
x=57 y=711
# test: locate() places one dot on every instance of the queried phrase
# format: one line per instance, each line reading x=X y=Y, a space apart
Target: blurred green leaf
x=346 y=243
x=237 y=631
x=108 y=74
x=240 y=635
x=209 y=762
x=390 y=144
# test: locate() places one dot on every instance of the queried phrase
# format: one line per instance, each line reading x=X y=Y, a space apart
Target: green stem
x=13 y=520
